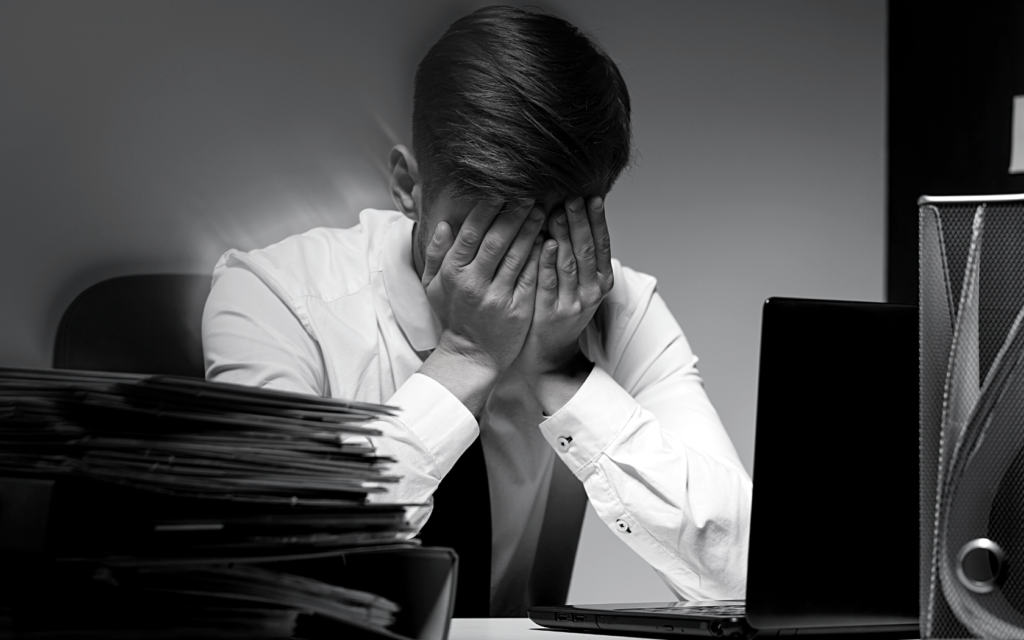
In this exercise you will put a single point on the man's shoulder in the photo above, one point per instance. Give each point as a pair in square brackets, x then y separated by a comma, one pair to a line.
[618, 320]
[324, 262]
[620, 312]
[632, 289]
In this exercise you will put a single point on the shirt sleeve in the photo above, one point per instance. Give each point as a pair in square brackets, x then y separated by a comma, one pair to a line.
[656, 462]
[431, 430]
[252, 337]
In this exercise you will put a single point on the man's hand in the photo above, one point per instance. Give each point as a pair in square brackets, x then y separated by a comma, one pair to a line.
[482, 287]
[575, 276]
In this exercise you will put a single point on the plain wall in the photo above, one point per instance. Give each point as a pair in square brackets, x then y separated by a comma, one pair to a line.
[151, 137]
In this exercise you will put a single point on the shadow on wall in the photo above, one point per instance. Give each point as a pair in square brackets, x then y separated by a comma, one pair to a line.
[153, 137]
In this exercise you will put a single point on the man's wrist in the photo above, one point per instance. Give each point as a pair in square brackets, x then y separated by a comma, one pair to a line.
[567, 361]
[468, 376]
[571, 366]
[555, 387]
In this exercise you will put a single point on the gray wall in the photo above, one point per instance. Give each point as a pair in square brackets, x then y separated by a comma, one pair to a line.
[151, 137]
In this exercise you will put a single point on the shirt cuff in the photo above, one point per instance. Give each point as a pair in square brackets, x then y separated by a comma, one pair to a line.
[584, 427]
[438, 419]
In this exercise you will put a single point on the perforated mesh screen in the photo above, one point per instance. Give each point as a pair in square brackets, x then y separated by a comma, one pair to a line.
[972, 419]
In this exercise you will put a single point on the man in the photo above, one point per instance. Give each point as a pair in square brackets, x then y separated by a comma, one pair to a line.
[489, 304]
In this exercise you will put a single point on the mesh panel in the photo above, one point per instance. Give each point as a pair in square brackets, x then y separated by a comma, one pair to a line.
[972, 419]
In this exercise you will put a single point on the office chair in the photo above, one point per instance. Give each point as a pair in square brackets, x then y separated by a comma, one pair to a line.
[153, 324]
[136, 324]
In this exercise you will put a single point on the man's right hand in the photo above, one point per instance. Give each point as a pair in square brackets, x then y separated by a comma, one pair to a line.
[482, 287]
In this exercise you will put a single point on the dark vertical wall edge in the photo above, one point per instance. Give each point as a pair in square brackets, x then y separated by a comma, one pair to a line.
[952, 73]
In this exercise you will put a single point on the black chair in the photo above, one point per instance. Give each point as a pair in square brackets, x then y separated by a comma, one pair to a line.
[136, 324]
[153, 324]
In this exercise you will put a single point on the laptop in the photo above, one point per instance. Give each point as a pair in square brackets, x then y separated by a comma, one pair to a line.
[834, 523]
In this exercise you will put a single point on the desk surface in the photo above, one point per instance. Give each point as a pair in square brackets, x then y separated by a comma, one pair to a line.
[505, 629]
[511, 629]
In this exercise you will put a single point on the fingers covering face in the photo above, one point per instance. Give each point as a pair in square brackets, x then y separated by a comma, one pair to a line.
[547, 275]
[473, 231]
[602, 240]
[437, 249]
[579, 256]
[582, 240]
[565, 260]
[498, 243]
[527, 283]
[514, 261]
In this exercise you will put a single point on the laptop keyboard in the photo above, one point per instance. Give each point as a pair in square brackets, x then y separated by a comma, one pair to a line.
[711, 611]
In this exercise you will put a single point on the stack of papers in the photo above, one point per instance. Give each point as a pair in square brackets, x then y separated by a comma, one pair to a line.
[231, 601]
[199, 484]
[189, 437]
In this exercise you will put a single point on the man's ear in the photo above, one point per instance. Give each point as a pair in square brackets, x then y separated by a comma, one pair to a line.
[405, 181]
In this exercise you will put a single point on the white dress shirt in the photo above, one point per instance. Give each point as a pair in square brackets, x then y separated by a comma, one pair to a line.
[341, 313]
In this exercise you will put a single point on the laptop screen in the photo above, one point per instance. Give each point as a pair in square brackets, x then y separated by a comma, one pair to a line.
[834, 527]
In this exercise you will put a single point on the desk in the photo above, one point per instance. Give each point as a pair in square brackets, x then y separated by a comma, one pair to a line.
[506, 629]
[526, 629]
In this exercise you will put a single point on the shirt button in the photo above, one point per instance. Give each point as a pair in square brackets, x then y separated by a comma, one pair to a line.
[563, 442]
[622, 526]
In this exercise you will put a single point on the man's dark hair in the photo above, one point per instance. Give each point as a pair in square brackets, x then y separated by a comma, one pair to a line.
[516, 104]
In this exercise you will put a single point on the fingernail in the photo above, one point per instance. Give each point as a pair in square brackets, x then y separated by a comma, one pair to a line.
[536, 215]
[597, 203]
[575, 205]
[437, 232]
[561, 219]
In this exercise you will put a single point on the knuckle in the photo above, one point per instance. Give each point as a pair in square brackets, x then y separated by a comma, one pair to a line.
[513, 261]
[568, 265]
[481, 295]
[469, 235]
[491, 301]
[491, 245]
[434, 254]
[588, 251]
[468, 290]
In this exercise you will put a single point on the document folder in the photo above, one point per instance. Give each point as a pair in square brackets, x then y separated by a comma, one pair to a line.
[154, 506]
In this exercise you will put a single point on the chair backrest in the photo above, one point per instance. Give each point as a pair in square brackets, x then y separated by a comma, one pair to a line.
[136, 324]
[153, 324]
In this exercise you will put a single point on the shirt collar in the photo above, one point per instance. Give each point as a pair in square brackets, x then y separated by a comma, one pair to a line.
[405, 293]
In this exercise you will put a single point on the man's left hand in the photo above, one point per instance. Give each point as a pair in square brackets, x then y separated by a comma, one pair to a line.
[575, 275]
